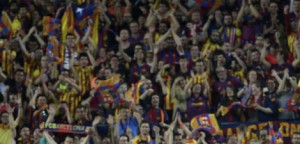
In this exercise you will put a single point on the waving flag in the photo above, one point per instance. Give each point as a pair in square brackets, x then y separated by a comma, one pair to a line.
[110, 84]
[5, 24]
[50, 26]
[133, 94]
[67, 23]
[272, 133]
[106, 89]
[225, 110]
[206, 122]
[94, 31]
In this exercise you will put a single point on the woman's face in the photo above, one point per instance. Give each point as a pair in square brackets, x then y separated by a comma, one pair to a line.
[252, 76]
[42, 101]
[197, 89]
[230, 93]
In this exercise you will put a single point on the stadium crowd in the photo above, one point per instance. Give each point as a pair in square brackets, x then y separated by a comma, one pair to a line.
[138, 71]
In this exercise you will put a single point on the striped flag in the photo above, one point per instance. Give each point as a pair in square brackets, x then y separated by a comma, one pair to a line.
[50, 26]
[5, 24]
[67, 23]
[133, 94]
[206, 122]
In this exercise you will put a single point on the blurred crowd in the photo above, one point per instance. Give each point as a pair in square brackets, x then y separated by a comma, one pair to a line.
[138, 71]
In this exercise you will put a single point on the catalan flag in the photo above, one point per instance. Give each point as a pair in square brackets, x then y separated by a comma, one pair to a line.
[94, 31]
[206, 122]
[80, 2]
[133, 94]
[272, 134]
[225, 110]
[169, 102]
[67, 23]
[5, 24]
[110, 84]
[50, 26]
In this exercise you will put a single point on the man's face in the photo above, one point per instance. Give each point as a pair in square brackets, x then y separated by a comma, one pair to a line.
[22, 11]
[194, 50]
[221, 73]
[33, 45]
[271, 85]
[13, 98]
[69, 140]
[155, 100]
[38, 54]
[84, 61]
[124, 35]
[125, 113]
[199, 67]
[226, 47]
[80, 113]
[127, 17]
[25, 132]
[14, 8]
[19, 77]
[273, 8]
[296, 6]
[263, 135]
[139, 54]
[215, 37]
[255, 56]
[70, 40]
[196, 17]
[227, 20]
[162, 8]
[44, 61]
[178, 139]
[296, 139]
[42, 100]
[107, 73]
[183, 63]
[114, 61]
[134, 27]
[4, 118]
[145, 128]
[162, 28]
[123, 140]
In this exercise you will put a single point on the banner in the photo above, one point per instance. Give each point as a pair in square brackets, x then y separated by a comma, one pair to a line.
[285, 128]
[66, 128]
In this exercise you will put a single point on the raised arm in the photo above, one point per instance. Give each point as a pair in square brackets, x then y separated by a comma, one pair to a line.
[253, 10]
[241, 63]
[187, 88]
[23, 48]
[73, 84]
[11, 120]
[26, 37]
[88, 32]
[241, 12]
[20, 110]
[297, 50]
[128, 6]
[92, 59]
[282, 82]
[154, 61]
[2, 75]
[69, 116]
[174, 85]
[163, 37]
[39, 39]
[178, 43]
[33, 100]
[263, 55]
